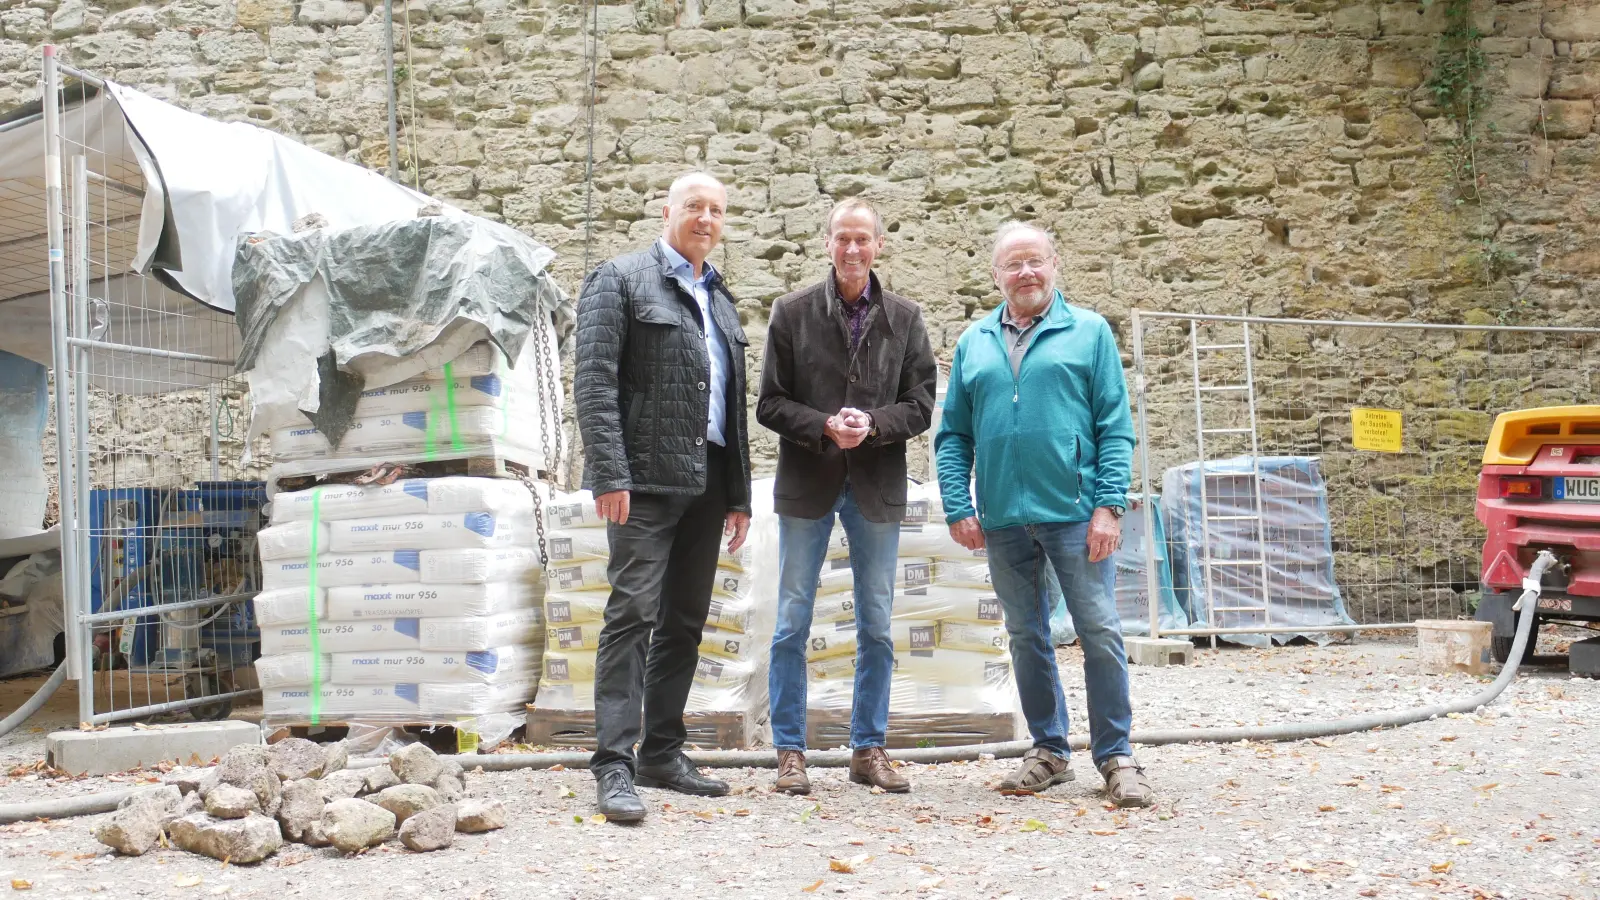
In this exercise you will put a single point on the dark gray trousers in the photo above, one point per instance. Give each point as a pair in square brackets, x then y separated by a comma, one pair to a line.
[663, 564]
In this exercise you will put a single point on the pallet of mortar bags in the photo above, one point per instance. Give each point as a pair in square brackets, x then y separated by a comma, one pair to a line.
[718, 713]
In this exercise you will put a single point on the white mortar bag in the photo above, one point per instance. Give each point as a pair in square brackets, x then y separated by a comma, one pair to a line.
[580, 636]
[956, 603]
[351, 701]
[574, 510]
[416, 433]
[430, 531]
[340, 637]
[460, 494]
[735, 645]
[574, 607]
[929, 539]
[969, 636]
[480, 566]
[577, 544]
[344, 501]
[501, 664]
[579, 575]
[464, 699]
[910, 572]
[565, 695]
[569, 667]
[482, 632]
[910, 697]
[424, 394]
[393, 601]
[971, 570]
[839, 638]
[731, 613]
[286, 606]
[291, 540]
[944, 666]
[291, 669]
[336, 569]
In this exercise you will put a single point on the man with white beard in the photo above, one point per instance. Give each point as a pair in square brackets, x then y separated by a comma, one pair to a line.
[1038, 405]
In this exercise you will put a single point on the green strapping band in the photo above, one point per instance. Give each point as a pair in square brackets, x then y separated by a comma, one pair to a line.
[430, 435]
[450, 401]
[311, 609]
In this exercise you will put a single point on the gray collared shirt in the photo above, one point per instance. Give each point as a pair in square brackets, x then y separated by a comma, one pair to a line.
[1017, 337]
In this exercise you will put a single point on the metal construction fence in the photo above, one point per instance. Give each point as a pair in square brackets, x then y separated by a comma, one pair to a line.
[157, 514]
[1320, 476]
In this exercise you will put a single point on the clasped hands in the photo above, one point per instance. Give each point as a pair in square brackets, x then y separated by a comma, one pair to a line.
[848, 427]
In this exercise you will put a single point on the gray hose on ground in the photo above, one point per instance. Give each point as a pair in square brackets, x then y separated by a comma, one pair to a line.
[39, 698]
[736, 759]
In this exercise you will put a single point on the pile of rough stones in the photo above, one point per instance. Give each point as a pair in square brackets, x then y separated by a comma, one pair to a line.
[243, 809]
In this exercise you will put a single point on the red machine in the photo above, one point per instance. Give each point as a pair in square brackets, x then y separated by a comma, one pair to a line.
[1540, 490]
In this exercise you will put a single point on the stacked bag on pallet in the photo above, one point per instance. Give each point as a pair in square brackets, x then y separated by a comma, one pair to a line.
[732, 670]
[952, 654]
[412, 602]
[474, 405]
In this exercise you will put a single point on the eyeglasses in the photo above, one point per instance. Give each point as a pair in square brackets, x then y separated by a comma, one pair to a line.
[1032, 262]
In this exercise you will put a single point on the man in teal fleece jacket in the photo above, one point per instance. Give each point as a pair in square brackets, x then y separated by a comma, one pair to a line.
[1037, 402]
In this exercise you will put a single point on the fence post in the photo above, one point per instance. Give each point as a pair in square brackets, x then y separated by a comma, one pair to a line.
[1152, 577]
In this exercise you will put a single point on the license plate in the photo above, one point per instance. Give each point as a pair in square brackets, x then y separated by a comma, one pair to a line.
[1583, 489]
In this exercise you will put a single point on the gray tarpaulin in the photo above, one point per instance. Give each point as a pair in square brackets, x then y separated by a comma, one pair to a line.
[387, 293]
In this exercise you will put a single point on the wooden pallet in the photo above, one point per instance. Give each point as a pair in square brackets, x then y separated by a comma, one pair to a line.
[498, 465]
[442, 738]
[575, 728]
[831, 728]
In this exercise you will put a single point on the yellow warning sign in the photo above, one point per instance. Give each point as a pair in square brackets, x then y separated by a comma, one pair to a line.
[1375, 429]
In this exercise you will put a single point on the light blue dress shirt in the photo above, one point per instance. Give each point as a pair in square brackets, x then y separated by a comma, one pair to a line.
[716, 344]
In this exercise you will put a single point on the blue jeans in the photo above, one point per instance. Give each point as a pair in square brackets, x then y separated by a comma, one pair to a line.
[1017, 559]
[802, 547]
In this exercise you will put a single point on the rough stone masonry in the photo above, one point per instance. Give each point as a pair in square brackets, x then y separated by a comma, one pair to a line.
[1273, 158]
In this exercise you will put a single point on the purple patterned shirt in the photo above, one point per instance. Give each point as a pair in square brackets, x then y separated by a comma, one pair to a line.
[856, 313]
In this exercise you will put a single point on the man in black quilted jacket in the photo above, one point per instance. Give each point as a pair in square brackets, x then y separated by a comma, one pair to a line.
[660, 390]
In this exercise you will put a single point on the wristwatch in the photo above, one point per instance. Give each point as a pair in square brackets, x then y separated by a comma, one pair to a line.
[1118, 511]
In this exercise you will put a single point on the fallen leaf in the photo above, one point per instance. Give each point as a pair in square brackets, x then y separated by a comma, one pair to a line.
[1545, 838]
[1082, 811]
[1322, 742]
[597, 819]
[1300, 865]
[1460, 842]
[928, 884]
[1549, 772]
[812, 889]
[1489, 787]
[18, 884]
[1448, 738]
[188, 880]
[841, 866]
[558, 767]
[806, 816]
[1390, 788]
[741, 813]
[1326, 808]
[1035, 825]
[577, 818]
[1441, 868]
[904, 850]
[566, 793]
[1104, 833]
[704, 814]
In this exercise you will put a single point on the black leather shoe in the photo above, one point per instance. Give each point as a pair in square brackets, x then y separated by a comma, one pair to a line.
[616, 797]
[678, 775]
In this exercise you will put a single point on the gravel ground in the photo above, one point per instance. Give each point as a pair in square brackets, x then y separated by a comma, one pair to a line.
[1505, 803]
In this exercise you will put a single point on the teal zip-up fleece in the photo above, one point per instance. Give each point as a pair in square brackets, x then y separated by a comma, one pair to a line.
[1051, 443]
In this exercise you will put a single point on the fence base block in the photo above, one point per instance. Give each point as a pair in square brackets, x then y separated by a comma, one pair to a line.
[1145, 651]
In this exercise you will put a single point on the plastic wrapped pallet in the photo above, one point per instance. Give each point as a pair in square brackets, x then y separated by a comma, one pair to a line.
[423, 603]
[728, 694]
[952, 682]
[1288, 531]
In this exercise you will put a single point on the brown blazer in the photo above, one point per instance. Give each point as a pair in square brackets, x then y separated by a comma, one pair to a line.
[810, 373]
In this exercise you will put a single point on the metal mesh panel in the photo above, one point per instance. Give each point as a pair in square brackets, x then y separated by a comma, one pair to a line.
[159, 509]
[1253, 395]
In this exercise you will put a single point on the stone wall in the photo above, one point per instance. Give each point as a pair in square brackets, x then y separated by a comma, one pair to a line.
[1271, 158]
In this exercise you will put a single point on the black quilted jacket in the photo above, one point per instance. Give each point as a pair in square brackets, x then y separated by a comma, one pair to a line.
[640, 384]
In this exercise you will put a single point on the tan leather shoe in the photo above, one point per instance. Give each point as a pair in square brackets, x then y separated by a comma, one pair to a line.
[792, 772]
[1126, 784]
[870, 765]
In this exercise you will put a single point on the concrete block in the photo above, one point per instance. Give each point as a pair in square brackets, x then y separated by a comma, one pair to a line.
[122, 749]
[1144, 651]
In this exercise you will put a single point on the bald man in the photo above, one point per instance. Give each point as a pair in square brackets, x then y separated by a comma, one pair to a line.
[660, 389]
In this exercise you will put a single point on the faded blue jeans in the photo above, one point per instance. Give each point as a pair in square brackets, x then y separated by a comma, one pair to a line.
[802, 547]
[1017, 559]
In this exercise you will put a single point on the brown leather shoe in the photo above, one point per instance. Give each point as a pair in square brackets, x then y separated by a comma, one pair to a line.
[792, 772]
[870, 765]
[1126, 784]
